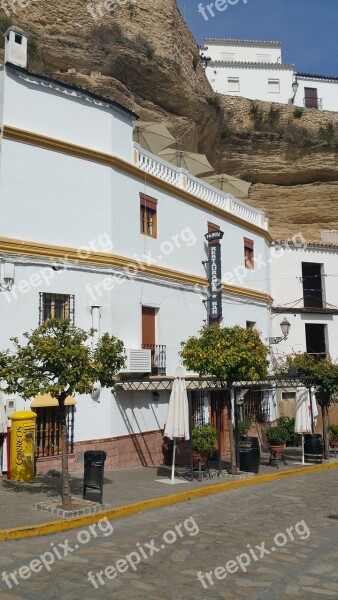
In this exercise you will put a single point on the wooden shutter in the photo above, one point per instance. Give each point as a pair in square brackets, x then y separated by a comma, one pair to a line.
[148, 326]
[148, 201]
[311, 97]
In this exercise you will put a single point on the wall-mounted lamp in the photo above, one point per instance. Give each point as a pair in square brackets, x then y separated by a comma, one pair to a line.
[285, 327]
[6, 277]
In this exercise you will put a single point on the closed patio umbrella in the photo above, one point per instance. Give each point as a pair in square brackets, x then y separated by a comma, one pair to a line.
[153, 137]
[3, 429]
[177, 425]
[230, 185]
[196, 164]
[303, 415]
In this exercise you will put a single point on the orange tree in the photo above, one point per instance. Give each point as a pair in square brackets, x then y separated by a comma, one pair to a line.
[229, 353]
[325, 373]
[58, 360]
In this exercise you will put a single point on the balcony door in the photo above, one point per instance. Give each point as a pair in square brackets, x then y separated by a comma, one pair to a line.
[316, 340]
[311, 97]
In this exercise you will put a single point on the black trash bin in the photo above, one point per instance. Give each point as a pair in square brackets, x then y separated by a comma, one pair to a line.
[94, 471]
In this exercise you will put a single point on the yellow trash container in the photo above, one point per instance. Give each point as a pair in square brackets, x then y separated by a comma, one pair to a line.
[22, 445]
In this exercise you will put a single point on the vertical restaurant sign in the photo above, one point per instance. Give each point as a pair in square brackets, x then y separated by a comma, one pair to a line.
[215, 275]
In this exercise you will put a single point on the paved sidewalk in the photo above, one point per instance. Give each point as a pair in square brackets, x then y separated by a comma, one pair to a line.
[121, 487]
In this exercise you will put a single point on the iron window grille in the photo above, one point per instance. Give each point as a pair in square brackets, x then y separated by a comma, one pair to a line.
[198, 412]
[56, 306]
[48, 431]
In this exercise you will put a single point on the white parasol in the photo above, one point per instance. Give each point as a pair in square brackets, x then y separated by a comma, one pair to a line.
[177, 425]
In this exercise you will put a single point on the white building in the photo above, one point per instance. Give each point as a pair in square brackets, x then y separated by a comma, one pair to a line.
[304, 285]
[316, 91]
[96, 229]
[249, 69]
[255, 70]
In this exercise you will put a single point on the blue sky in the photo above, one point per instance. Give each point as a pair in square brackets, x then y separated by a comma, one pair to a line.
[308, 29]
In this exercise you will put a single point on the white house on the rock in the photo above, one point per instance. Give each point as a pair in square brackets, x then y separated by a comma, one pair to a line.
[250, 69]
[95, 229]
[255, 70]
[316, 91]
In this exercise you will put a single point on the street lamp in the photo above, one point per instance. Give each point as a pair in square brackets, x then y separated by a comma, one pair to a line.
[295, 87]
[285, 327]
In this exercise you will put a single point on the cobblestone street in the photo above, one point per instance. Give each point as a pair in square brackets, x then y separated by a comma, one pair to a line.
[213, 531]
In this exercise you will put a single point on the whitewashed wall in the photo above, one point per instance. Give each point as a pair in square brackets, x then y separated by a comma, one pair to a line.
[287, 290]
[253, 81]
[327, 92]
[244, 52]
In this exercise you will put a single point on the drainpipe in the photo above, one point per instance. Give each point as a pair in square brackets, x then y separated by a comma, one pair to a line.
[96, 319]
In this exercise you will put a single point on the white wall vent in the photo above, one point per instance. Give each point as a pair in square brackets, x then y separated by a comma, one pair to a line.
[138, 361]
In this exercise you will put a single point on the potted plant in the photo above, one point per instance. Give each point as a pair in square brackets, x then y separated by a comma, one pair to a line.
[249, 451]
[288, 424]
[203, 441]
[277, 437]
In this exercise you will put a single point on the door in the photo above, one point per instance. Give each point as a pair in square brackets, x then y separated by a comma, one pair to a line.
[311, 97]
[225, 441]
[148, 331]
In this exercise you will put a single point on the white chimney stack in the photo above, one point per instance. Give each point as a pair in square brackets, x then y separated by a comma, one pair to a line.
[16, 47]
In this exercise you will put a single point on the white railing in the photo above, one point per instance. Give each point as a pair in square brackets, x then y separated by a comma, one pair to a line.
[181, 178]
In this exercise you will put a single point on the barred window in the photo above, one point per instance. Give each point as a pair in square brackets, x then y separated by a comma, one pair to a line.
[56, 306]
[48, 430]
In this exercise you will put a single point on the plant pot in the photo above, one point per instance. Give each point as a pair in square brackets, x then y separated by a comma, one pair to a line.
[203, 455]
[277, 450]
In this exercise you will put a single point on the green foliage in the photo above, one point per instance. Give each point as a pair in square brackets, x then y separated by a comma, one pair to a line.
[265, 121]
[298, 112]
[288, 424]
[334, 431]
[196, 59]
[328, 133]
[57, 360]
[324, 371]
[277, 436]
[243, 427]
[5, 23]
[215, 103]
[229, 353]
[295, 135]
[204, 439]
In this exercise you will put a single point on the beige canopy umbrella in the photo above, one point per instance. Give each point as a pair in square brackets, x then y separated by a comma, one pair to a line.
[231, 185]
[196, 164]
[153, 137]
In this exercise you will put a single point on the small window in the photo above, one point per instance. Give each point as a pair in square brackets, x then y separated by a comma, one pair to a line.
[18, 38]
[249, 254]
[148, 215]
[274, 86]
[56, 306]
[250, 324]
[228, 56]
[233, 84]
[289, 396]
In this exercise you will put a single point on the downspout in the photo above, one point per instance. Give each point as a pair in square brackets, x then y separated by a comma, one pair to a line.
[96, 321]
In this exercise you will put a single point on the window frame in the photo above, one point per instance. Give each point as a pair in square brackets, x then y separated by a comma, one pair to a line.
[230, 83]
[148, 207]
[273, 81]
[249, 262]
[70, 298]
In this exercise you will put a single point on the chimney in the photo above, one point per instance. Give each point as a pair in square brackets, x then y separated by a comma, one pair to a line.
[16, 47]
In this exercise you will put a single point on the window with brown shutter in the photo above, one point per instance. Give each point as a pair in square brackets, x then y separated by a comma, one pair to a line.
[249, 259]
[148, 215]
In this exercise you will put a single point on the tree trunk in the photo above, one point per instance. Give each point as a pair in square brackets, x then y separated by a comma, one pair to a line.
[325, 417]
[65, 489]
[233, 468]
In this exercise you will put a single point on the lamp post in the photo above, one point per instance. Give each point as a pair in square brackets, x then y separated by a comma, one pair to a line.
[295, 87]
[285, 327]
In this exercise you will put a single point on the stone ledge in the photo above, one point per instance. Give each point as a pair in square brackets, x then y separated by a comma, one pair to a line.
[86, 508]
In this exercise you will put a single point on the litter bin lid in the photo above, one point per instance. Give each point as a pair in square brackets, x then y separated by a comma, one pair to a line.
[94, 457]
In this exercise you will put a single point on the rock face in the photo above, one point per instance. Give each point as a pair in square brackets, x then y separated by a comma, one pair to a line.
[143, 55]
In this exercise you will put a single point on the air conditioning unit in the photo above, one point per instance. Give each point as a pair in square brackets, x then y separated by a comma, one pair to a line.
[138, 361]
